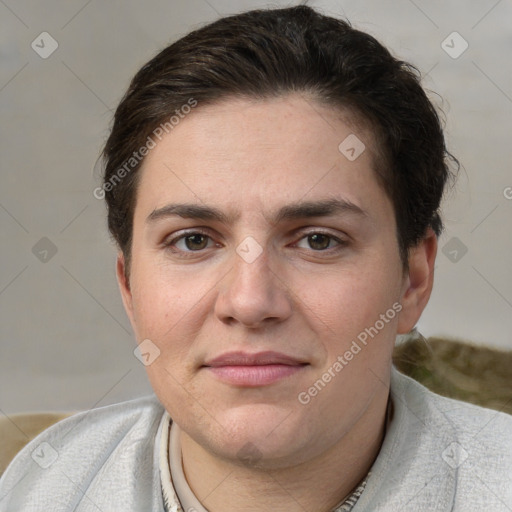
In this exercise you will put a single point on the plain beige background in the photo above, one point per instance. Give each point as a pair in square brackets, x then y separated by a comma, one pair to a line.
[65, 341]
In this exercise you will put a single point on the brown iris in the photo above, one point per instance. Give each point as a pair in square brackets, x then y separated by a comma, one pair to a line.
[196, 241]
[319, 241]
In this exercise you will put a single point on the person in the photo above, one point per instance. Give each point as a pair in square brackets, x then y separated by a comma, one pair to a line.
[273, 182]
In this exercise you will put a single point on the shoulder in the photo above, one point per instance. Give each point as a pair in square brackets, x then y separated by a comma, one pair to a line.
[486, 428]
[440, 454]
[85, 458]
[469, 445]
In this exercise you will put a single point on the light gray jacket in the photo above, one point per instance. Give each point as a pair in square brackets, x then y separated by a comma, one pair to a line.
[438, 455]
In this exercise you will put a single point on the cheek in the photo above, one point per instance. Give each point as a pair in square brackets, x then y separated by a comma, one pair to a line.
[345, 301]
[164, 298]
[353, 315]
[169, 308]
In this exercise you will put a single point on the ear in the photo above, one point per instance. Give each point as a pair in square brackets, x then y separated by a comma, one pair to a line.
[418, 282]
[124, 285]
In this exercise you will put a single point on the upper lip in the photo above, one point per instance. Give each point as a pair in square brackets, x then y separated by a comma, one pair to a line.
[258, 359]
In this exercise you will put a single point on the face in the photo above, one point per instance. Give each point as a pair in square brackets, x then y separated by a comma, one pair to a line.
[255, 234]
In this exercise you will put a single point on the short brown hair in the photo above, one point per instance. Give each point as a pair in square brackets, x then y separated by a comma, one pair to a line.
[272, 52]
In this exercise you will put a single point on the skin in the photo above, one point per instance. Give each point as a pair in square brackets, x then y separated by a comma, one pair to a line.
[248, 159]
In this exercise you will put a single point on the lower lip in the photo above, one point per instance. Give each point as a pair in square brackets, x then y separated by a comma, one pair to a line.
[252, 376]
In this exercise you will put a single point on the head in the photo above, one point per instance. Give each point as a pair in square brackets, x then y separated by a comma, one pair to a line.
[273, 183]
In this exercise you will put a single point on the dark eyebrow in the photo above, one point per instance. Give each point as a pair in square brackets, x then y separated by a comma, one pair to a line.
[189, 211]
[301, 210]
[325, 208]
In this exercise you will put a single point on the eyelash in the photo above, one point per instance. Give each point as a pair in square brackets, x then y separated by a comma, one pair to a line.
[170, 243]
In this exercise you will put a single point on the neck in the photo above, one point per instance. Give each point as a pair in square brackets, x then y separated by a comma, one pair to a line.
[319, 484]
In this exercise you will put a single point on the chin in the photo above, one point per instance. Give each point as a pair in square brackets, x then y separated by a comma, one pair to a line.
[260, 434]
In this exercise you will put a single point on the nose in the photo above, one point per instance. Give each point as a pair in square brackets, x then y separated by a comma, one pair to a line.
[253, 294]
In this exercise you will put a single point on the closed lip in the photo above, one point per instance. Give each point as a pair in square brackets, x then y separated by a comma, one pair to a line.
[258, 359]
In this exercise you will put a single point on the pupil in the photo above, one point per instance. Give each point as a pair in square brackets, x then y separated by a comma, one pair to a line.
[319, 241]
[195, 241]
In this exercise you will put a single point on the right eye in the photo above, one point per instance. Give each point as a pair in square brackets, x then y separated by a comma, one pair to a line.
[191, 241]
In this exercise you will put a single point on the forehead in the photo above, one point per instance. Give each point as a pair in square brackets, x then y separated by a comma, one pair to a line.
[259, 154]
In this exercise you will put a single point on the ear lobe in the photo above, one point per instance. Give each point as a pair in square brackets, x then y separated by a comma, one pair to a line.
[418, 282]
[124, 285]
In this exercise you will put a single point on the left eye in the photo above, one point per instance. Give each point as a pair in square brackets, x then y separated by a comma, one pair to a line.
[319, 241]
